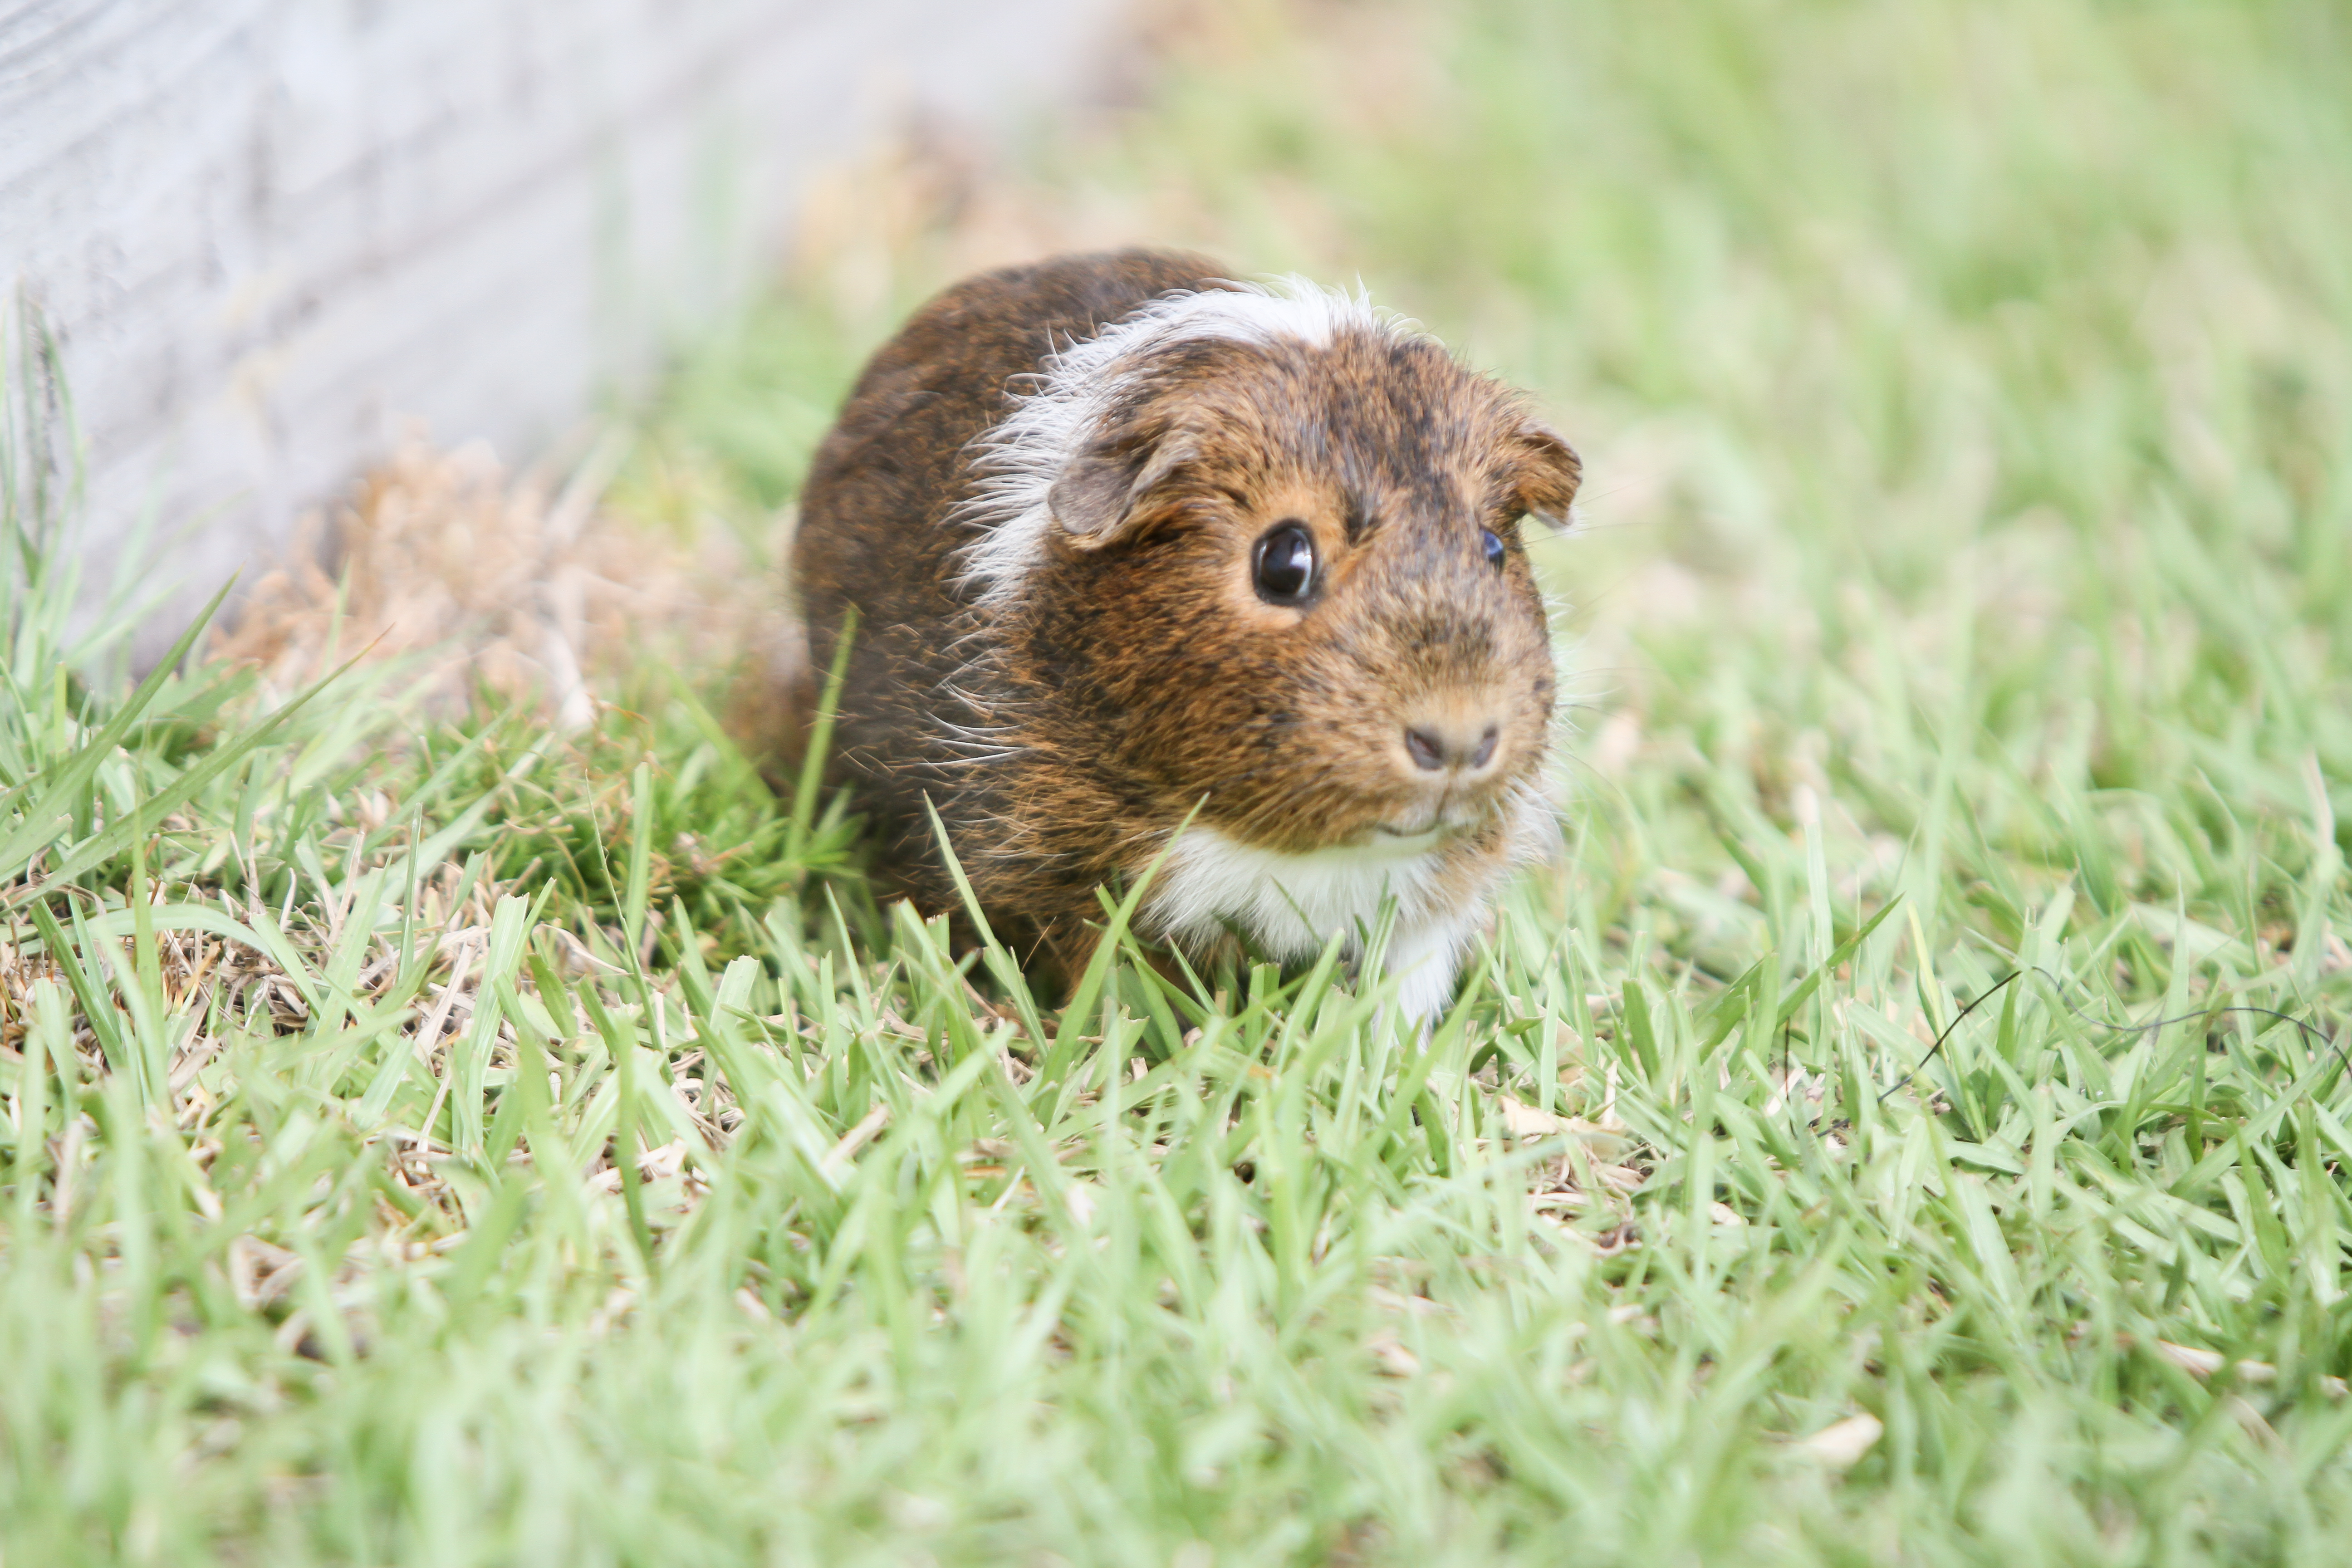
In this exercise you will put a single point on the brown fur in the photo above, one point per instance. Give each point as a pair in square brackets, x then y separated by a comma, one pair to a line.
[1064, 737]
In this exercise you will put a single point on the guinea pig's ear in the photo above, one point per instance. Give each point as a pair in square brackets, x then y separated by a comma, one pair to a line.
[1095, 501]
[1545, 470]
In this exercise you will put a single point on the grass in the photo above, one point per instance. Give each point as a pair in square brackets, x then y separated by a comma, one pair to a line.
[458, 1144]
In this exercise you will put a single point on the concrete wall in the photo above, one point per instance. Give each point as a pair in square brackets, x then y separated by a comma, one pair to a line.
[268, 230]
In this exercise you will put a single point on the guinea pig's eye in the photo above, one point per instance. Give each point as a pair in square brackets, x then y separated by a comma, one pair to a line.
[1493, 543]
[1285, 566]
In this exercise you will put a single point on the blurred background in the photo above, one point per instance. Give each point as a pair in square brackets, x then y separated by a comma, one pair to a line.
[269, 237]
[1963, 388]
[1919, 352]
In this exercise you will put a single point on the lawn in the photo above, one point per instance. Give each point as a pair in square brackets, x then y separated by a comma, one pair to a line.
[1909, 1124]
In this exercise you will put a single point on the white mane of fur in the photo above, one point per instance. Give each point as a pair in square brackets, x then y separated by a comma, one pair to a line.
[1021, 456]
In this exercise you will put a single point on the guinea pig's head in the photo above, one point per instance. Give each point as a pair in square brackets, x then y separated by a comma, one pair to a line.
[1272, 562]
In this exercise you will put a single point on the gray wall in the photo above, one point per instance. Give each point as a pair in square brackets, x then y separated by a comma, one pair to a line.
[267, 230]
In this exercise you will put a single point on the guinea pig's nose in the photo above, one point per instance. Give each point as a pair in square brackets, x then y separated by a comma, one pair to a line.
[1455, 743]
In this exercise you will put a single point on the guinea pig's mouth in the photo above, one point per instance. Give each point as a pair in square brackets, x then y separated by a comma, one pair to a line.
[1411, 839]
[1438, 827]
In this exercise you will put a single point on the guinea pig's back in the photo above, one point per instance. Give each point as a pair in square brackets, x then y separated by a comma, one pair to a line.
[877, 526]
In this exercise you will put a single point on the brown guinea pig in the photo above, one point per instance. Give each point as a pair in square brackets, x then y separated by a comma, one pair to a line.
[1133, 544]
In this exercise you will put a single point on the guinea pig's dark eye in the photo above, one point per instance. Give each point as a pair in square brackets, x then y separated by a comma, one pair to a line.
[1284, 566]
[1493, 543]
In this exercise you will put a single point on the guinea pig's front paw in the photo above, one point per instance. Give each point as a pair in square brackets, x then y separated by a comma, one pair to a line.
[1426, 964]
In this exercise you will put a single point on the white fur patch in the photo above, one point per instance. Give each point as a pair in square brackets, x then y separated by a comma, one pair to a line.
[1023, 455]
[1429, 959]
[1291, 904]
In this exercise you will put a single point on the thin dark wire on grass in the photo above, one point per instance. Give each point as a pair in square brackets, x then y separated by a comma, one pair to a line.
[2310, 1031]
[1995, 989]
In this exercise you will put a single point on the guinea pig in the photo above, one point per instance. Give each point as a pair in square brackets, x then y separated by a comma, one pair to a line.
[1149, 562]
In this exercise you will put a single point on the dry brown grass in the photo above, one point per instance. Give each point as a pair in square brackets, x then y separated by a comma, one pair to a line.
[467, 584]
